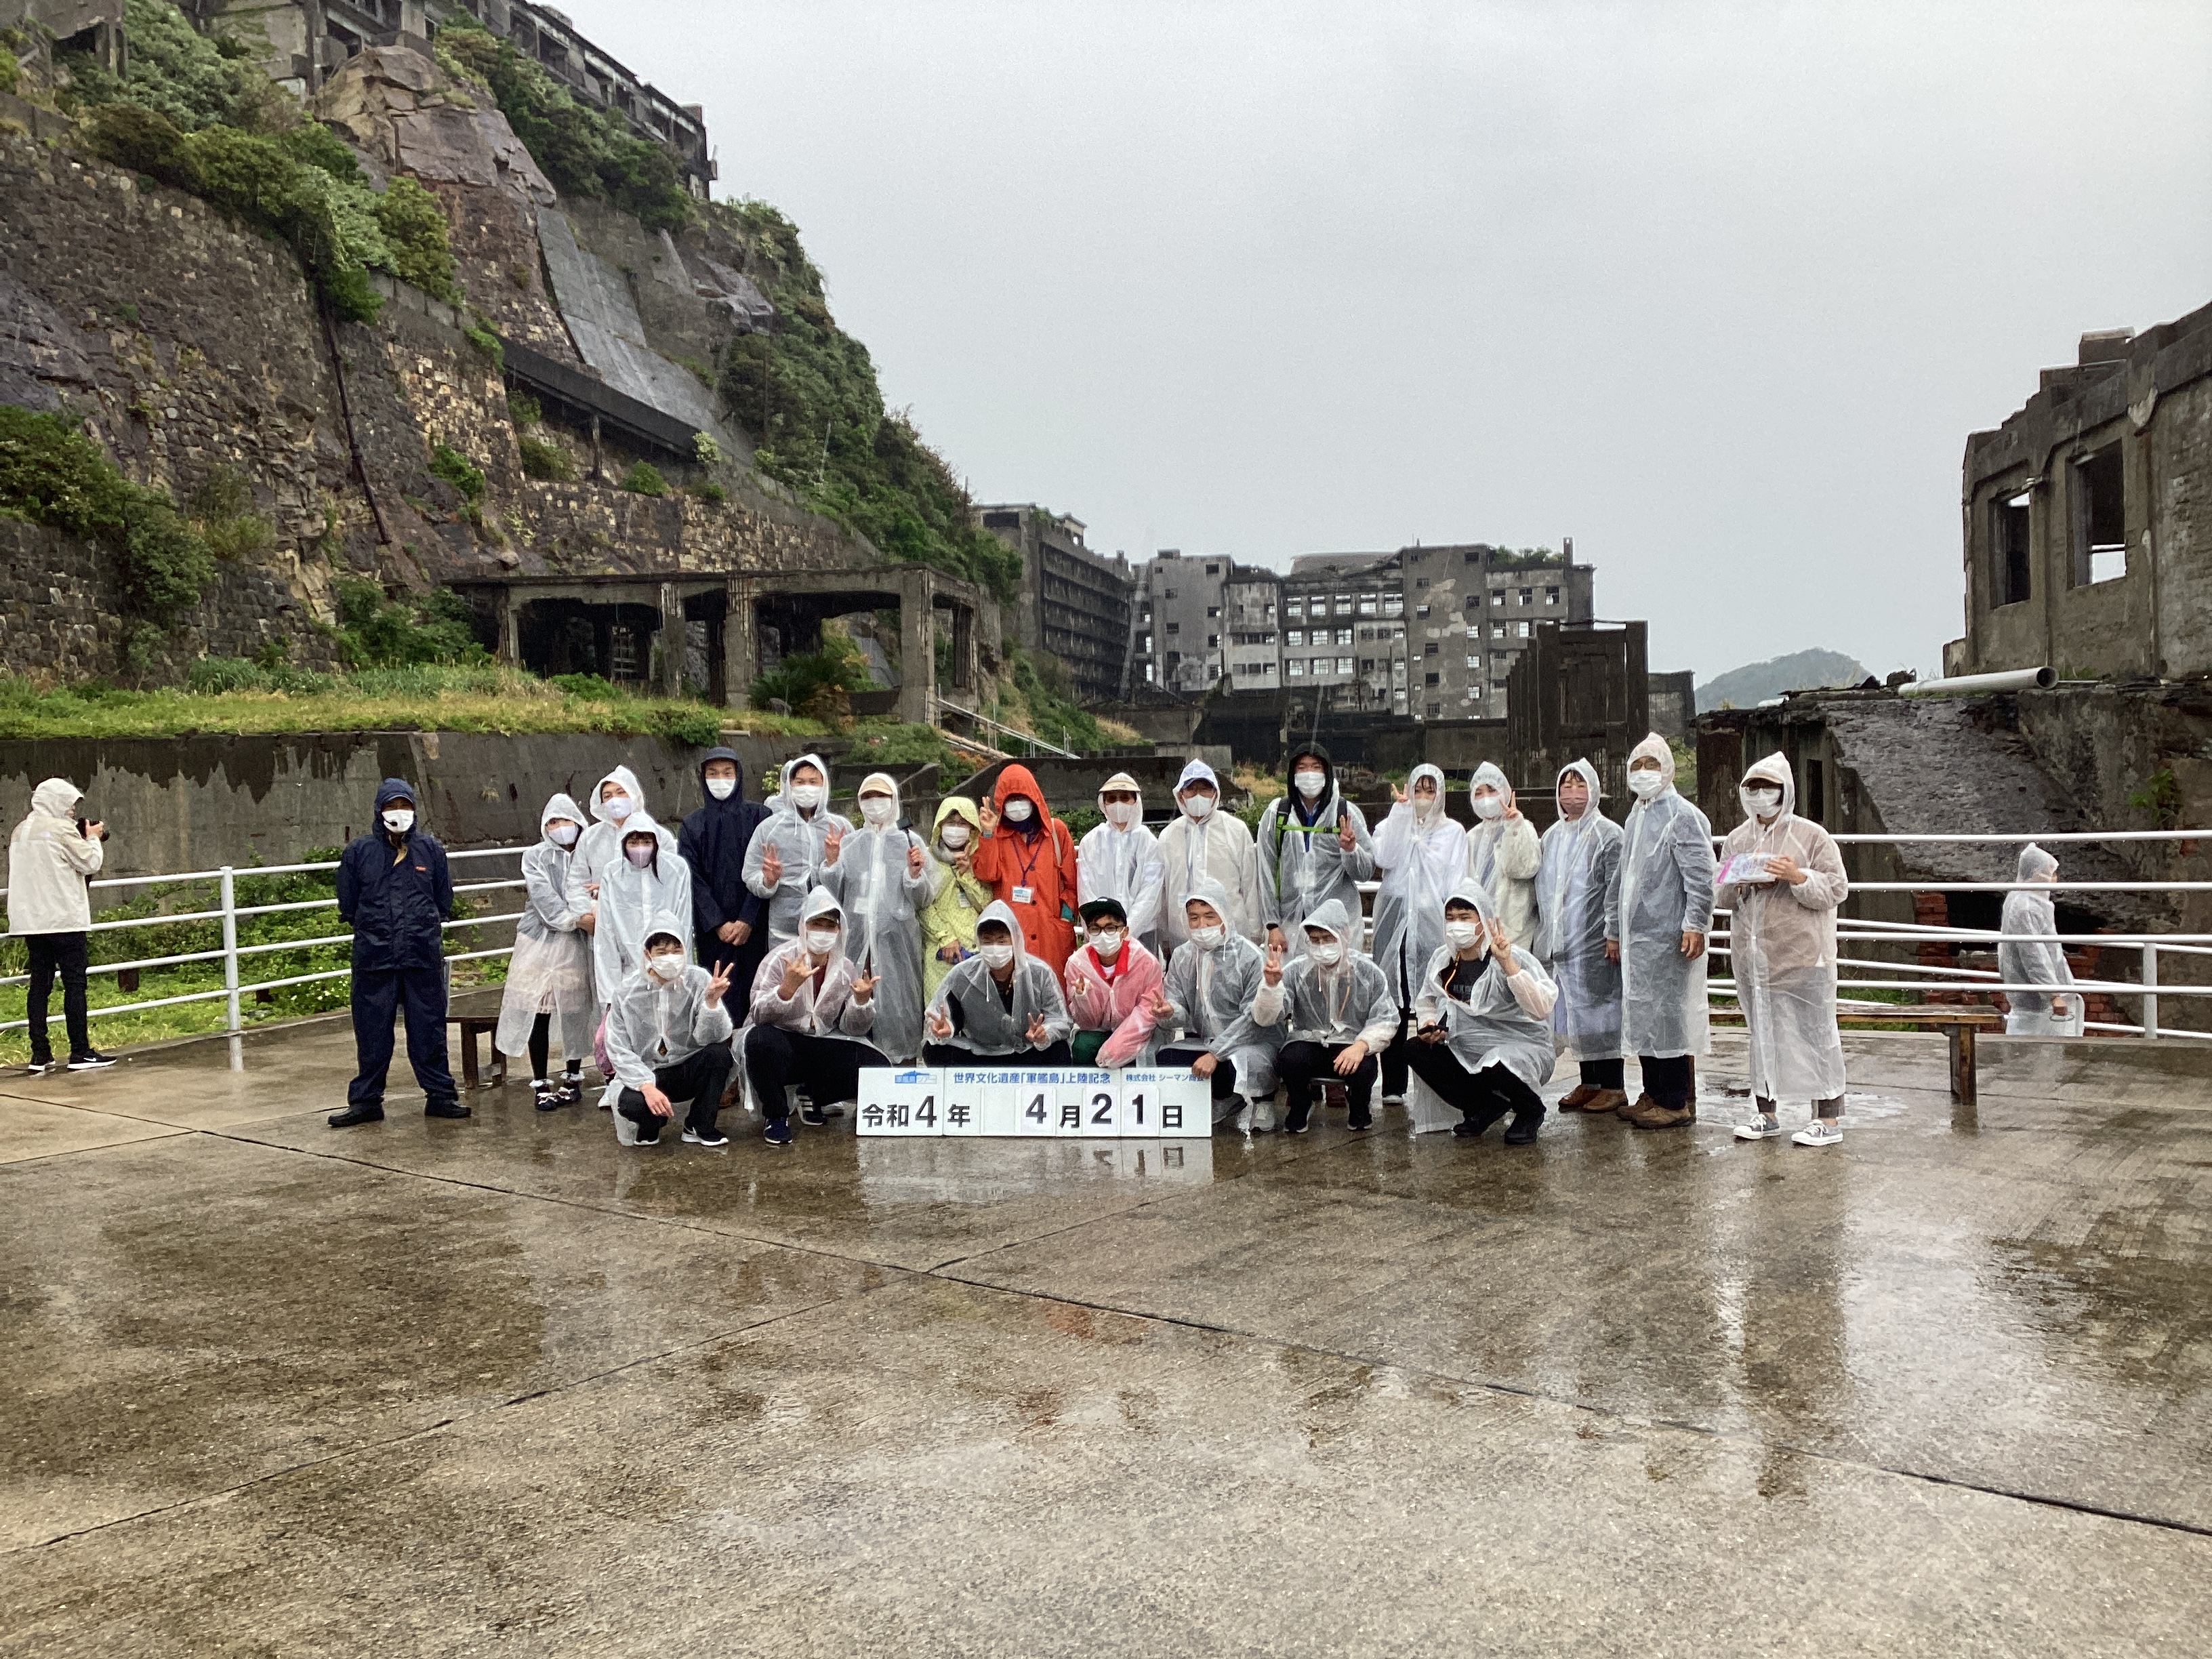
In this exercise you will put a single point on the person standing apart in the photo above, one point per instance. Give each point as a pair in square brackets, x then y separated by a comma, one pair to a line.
[812, 1006]
[958, 895]
[52, 859]
[1658, 909]
[2031, 960]
[1782, 880]
[1421, 855]
[1112, 982]
[1120, 858]
[396, 893]
[1504, 854]
[1484, 1041]
[549, 975]
[1313, 846]
[1029, 858]
[1206, 844]
[1580, 852]
[728, 919]
[1335, 1007]
[879, 874]
[784, 859]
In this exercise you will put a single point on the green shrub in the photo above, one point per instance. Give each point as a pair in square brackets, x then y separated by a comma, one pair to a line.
[802, 677]
[709, 491]
[413, 220]
[645, 480]
[8, 69]
[458, 470]
[316, 145]
[523, 409]
[543, 458]
[375, 632]
[705, 450]
[481, 337]
[173, 69]
[589, 688]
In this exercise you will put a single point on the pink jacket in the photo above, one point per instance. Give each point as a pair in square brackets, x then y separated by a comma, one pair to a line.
[1126, 1010]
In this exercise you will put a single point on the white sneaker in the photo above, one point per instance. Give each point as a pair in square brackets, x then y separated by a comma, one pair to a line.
[712, 1137]
[1765, 1127]
[1820, 1132]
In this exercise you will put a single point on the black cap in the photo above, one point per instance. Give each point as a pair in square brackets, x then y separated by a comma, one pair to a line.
[1104, 909]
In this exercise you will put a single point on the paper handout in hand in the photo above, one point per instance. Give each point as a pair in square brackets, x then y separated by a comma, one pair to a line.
[1747, 870]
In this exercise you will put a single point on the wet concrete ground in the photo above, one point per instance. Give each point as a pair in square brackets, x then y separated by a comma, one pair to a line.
[500, 1386]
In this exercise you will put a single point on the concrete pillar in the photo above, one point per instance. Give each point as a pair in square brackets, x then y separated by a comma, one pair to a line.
[740, 642]
[510, 628]
[673, 641]
[917, 644]
[963, 648]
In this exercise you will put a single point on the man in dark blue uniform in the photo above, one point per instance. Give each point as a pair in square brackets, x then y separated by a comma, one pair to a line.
[394, 892]
[729, 921]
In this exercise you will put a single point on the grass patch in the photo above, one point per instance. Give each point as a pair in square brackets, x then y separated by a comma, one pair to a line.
[543, 458]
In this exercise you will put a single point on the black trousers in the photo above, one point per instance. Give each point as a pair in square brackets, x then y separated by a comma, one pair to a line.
[1225, 1075]
[1606, 1073]
[951, 1054]
[1301, 1065]
[1482, 1096]
[376, 997]
[63, 952]
[699, 1078]
[828, 1066]
[1670, 1082]
[541, 1049]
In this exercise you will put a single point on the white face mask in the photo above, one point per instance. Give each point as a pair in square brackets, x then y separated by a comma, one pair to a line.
[1199, 806]
[640, 856]
[1463, 933]
[995, 957]
[954, 835]
[1208, 938]
[722, 788]
[1646, 783]
[821, 940]
[1329, 955]
[806, 796]
[1107, 944]
[1121, 812]
[399, 820]
[1311, 783]
[1761, 803]
[666, 967]
[879, 810]
[1490, 807]
[617, 807]
[1020, 811]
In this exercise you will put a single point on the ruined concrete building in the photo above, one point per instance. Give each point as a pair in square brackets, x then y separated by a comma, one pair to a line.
[2088, 521]
[1074, 605]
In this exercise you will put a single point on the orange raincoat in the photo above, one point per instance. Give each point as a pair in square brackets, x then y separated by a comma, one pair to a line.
[1043, 864]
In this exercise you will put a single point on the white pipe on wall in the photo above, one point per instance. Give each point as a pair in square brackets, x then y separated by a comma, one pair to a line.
[1973, 685]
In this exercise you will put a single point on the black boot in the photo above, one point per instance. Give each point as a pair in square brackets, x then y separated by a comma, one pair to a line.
[1522, 1132]
[442, 1109]
[354, 1114]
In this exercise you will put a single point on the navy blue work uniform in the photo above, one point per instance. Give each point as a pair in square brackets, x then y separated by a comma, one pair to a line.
[395, 897]
[714, 844]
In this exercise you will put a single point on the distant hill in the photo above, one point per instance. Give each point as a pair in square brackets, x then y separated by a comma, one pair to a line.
[1801, 671]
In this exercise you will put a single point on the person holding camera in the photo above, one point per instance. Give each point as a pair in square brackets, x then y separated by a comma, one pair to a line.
[52, 859]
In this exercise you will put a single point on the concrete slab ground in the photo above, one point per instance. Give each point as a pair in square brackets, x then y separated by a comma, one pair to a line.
[500, 1386]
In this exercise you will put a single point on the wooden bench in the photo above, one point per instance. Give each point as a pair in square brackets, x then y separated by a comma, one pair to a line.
[472, 1027]
[1958, 1023]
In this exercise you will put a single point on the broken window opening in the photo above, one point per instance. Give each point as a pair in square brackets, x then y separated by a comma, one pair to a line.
[2100, 518]
[2008, 524]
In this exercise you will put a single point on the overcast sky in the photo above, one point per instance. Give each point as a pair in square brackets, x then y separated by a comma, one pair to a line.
[1717, 290]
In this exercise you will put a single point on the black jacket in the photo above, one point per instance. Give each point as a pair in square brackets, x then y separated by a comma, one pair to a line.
[714, 844]
[394, 898]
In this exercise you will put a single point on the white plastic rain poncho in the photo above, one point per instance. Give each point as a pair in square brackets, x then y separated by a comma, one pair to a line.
[631, 899]
[1422, 853]
[988, 1023]
[551, 971]
[1504, 854]
[799, 839]
[600, 845]
[1505, 1020]
[1580, 857]
[1211, 993]
[652, 1025]
[49, 864]
[1663, 887]
[1782, 942]
[1220, 848]
[1350, 1002]
[824, 1009]
[881, 902]
[2030, 961]
[1302, 863]
[1115, 862]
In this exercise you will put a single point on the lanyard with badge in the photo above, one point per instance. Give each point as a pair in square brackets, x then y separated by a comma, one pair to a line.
[1024, 891]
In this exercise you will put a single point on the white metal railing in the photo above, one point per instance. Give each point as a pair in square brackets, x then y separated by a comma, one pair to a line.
[938, 708]
[231, 953]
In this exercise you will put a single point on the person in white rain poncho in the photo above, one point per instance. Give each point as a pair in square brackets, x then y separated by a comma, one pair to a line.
[668, 1039]
[1421, 855]
[1580, 851]
[1658, 910]
[1781, 878]
[1000, 1008]
[600, 847]
[1206, 844]
[1504, 854]
[1313, 846]
[1483, 1042]
[811, 1005]
[784, 861]
[1211, 985]
[1119, 859]
[1337, 1014]
[549, 976]
[2029, 961]
[880, 874]
[647, 876]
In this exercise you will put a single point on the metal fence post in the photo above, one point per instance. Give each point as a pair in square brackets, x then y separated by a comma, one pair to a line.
[2150, 993]
[230, 968]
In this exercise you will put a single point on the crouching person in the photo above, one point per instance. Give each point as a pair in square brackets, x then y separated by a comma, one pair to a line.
[1111, 982]
[1213, 981]
[999, 1009]
[811, 1007]
[1336, 1006]
[1482, 1024]
[668, 1037]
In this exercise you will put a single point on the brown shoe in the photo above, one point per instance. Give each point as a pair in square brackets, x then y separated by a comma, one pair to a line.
[1607, 1100]
[1579, 1097]
[1635, 1114]
[1665, 1117]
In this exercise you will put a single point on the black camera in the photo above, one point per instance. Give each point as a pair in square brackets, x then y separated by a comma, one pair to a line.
[84, 828]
